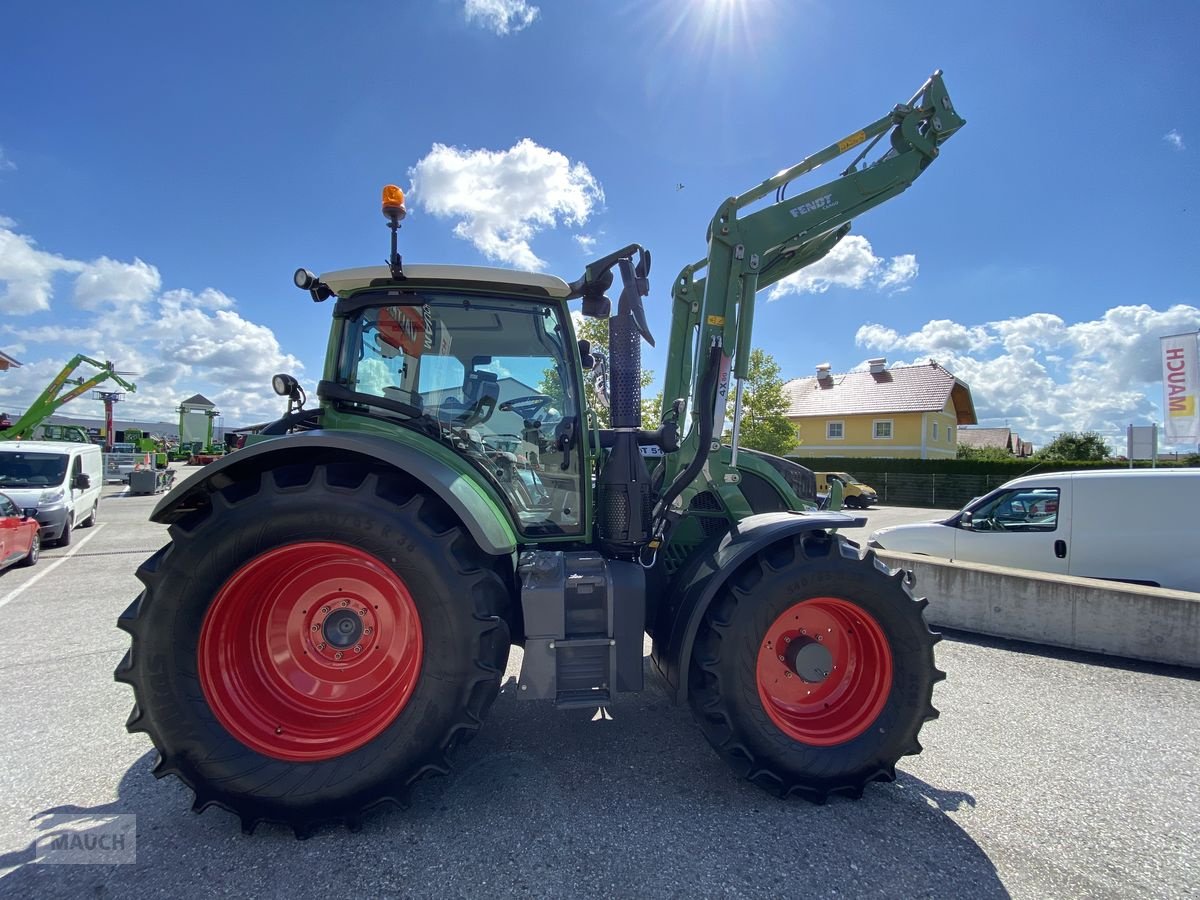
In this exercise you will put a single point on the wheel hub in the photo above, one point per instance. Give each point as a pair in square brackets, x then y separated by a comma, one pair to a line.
[824, 671]
[808, 658]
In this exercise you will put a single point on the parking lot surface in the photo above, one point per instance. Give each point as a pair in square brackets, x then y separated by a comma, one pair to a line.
[1049, 774]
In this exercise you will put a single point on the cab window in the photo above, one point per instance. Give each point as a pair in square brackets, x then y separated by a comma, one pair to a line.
[490, 378]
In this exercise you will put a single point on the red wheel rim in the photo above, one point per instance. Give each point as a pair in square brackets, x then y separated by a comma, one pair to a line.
[310, 650]
[824, 671]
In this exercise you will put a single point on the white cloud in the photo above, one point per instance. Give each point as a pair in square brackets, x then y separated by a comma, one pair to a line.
[1175, 139]
[900, 270]
[850, 264]
[1042, 376]
[184, 342]
[501, 16]
[586, 242]
[26, 272]
[107, 280]
[501, 199]
[6, 164]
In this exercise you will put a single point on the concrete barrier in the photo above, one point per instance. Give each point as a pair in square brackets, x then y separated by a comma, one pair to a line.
[1147, 623]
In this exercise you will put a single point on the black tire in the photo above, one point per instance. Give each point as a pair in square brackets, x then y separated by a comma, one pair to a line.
[64, 539]
[851, 503]
[92, 516]
[460, 602]
[35, 551]
[724, 686]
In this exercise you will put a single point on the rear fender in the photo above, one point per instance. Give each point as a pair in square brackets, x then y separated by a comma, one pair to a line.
[482, 515]
[699, 582]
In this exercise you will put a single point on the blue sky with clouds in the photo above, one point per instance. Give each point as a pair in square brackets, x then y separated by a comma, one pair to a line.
[164, 168]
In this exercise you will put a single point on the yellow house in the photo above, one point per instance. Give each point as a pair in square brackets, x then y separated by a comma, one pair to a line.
[905, 411]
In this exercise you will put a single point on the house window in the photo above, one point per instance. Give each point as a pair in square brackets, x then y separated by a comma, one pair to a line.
[935, 431]
[950, 434]
[882, 429]
[834, 431]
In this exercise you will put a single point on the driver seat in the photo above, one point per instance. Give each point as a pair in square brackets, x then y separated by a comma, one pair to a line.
[481, 392]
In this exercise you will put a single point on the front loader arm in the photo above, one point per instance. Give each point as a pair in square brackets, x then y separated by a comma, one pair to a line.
[748, 251]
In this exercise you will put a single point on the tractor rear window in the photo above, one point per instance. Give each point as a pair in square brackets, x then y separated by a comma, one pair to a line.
[490, 378]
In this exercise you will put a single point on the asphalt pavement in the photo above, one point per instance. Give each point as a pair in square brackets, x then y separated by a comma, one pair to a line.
[1049, 774]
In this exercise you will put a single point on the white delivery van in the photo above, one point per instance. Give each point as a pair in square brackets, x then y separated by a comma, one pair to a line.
[1132, 525]
[61, 480]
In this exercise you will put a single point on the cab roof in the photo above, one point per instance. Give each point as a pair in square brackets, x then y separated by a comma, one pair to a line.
[345, 281]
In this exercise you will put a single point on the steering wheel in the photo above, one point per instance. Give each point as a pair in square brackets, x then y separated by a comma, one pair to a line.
[540, 401]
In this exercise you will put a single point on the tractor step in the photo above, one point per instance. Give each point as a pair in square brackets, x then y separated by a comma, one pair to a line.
[584, 622]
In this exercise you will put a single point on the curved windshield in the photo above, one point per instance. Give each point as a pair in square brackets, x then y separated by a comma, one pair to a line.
[19, 469]
[488, 377]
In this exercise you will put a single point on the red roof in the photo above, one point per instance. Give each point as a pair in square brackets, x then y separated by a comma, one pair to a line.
[924, 388]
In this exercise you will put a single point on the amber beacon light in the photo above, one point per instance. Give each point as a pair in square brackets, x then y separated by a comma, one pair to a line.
[393, 202]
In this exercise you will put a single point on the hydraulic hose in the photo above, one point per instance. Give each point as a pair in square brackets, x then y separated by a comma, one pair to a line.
[706, 398]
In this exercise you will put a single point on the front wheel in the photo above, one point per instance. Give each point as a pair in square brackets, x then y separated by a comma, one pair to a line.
[813, 670]
[35, 550]
[310, 646]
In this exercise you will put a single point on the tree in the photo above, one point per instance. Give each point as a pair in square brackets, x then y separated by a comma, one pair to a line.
[765, 425]
[595, 331]
[984, 454]
[1075, 446]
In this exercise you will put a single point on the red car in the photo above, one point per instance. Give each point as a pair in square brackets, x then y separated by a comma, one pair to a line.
[20, 536]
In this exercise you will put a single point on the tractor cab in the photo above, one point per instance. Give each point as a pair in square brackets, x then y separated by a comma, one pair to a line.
[491, 376]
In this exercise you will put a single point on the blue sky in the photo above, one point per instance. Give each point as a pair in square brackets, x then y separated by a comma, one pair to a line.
[164, 168]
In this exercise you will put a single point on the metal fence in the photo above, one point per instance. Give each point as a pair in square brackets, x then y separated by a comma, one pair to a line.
[945, 491]
[117, 466]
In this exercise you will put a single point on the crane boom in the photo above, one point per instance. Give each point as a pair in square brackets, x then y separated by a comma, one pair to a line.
[752, 248]
[51, 398]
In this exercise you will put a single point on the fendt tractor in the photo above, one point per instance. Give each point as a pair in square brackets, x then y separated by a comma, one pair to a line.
[333, 613]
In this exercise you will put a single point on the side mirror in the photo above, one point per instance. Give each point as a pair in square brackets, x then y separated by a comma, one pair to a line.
[82, 481]
[964, 521]
[586, 360]
[29, 512]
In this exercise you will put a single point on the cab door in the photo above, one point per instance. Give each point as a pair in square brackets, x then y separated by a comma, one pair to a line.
[1022, 528]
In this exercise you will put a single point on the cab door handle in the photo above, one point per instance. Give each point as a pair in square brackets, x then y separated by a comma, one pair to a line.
[1060, 549]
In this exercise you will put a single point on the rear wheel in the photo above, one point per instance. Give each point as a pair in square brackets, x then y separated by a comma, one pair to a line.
[813, 670]
[312, 645]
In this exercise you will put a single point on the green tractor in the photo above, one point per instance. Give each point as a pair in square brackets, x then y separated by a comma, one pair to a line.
[333, 613]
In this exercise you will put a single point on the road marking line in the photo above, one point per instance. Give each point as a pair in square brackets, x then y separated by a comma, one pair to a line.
[42, 573]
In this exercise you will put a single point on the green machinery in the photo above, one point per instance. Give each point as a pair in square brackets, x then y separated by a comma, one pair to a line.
[57, 393]
[334, 611]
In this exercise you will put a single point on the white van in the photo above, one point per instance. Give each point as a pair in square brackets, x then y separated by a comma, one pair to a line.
[61, 480]
[1132, 525]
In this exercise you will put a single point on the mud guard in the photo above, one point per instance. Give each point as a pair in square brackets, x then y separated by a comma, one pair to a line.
[697, 584]
[481, 514]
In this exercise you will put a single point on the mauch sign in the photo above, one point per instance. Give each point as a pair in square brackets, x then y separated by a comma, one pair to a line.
[1181, 385]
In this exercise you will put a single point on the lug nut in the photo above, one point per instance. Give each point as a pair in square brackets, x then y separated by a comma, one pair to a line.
[358, 648]
[316, 628]
[345, 603]
[325, 609]
[363, 611]
[368, 631]
[787, 640]
[781, 659]
[338, 655]
[321, 646]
